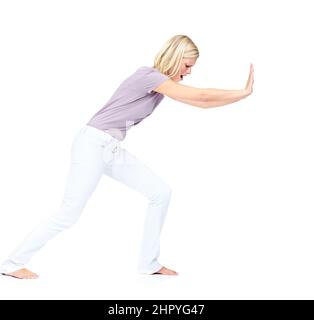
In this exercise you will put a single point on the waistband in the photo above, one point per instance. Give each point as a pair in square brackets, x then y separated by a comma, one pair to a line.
[99, 134]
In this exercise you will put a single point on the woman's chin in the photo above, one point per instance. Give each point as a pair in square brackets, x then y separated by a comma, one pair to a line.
[177, 79]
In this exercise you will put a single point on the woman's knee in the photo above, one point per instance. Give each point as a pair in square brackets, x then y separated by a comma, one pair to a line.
[62, 223]
[162, 193]
[67, 216]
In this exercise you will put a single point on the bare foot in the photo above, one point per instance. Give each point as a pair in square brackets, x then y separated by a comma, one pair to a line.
[166, 271]
[22, 274]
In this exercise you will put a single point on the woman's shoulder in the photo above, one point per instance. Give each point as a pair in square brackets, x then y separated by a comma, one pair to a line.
[147, 69]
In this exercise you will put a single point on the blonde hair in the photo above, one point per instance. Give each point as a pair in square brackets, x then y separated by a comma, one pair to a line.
[169, 58]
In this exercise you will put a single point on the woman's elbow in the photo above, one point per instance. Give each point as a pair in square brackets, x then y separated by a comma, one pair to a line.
[204, 97]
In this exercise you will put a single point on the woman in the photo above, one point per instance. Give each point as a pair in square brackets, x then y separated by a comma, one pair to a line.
[96, 151]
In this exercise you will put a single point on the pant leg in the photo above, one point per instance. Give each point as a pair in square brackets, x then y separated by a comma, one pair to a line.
[127, 169]
[90, 158]
[86, 169]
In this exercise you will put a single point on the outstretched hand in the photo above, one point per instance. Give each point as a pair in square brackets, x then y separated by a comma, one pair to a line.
[249, 84]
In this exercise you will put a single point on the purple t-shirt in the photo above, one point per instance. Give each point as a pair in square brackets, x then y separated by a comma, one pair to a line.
[133, 101]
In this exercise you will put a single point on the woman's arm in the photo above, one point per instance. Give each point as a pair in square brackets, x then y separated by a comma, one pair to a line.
[205, 98]
[228, 98]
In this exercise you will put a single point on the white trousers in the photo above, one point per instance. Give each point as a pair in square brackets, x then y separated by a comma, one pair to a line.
[94, 153]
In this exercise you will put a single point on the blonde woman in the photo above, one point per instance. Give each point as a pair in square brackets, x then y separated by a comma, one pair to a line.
[96, 151]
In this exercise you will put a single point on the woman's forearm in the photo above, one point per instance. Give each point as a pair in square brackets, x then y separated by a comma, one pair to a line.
[214, 103]
[222, 95]
[217, 98]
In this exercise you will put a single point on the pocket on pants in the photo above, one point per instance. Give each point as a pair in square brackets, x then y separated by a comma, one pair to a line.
[110, 150]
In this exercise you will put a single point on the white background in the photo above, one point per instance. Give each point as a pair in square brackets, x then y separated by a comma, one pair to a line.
[240, 223]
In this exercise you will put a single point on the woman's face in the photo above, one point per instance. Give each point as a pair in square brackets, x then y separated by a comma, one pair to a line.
[185, 69]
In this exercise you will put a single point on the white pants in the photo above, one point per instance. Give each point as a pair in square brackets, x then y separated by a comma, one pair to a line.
[93, 153]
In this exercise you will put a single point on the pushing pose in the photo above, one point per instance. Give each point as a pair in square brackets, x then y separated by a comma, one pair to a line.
[96, 150]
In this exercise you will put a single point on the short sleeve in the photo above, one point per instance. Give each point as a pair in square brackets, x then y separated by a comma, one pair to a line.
[152, 78]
